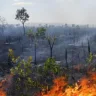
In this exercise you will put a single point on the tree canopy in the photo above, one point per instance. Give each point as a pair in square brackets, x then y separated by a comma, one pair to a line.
[22, 15]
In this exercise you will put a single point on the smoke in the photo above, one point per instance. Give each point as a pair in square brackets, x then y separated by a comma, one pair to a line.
[70, 11]
[53, 11]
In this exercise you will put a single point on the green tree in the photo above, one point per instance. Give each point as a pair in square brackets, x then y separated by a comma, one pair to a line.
[41, 32]
[22, 77]
[22, 16]
[50, 66]
[12, 58]
[51, 42]
[34, 36]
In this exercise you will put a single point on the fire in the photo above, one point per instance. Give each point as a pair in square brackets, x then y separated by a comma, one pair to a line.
[5, 84]
[2, 91]
[86, 86]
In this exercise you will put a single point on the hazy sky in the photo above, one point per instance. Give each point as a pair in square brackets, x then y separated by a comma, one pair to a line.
[51, 11]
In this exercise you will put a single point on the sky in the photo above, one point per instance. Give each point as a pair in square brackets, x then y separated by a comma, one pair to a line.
[51, 11]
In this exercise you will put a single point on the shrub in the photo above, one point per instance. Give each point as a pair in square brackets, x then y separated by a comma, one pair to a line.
[50, 66]
[11, 58]
[23, 69]
[90, 58]
[22, 77]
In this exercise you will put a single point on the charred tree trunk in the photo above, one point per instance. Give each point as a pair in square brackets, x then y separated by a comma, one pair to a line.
[51, 52]
[23, 28]
[66, 58]
[51, 44]
[89, 51]
[35, 50]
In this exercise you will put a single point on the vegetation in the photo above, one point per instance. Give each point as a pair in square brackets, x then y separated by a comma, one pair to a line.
[35, 36]
[22, 16]
[51, 42]
[41, 32]
[51, 66]
[11, 58]
[23, 69]
[27, 76]
[22, 75]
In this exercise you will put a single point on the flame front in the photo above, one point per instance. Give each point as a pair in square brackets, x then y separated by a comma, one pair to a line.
[5, 84]
[85, 87]
[2, 91]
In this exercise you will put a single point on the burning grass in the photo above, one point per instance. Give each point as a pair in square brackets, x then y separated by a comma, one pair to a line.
[86, 86]
[25, 79]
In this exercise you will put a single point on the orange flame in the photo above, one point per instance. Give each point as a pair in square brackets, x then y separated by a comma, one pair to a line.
[5, 84]
[2, 91]
[85, 87]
